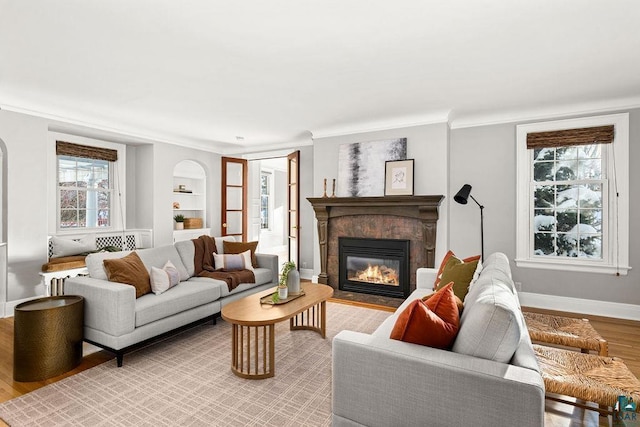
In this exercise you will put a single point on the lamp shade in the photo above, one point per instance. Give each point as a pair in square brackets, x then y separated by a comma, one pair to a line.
[463, 195]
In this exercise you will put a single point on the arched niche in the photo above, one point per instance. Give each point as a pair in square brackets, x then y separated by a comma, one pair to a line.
[190, 198]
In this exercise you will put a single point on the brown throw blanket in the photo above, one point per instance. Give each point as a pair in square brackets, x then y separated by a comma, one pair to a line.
[203, 264]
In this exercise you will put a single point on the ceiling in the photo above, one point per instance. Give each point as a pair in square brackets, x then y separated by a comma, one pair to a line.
[202, 73]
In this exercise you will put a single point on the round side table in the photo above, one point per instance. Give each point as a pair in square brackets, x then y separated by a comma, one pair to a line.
[47, 338]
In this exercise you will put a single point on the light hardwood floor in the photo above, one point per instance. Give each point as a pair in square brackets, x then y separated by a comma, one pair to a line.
[623, 337]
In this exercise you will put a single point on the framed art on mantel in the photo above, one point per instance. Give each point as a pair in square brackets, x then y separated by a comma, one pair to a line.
[398, 179]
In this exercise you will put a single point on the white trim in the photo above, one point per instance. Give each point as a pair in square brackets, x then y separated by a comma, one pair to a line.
[582, 306]
[10, 306]
[307, 273]
[561, 264]
[131, 132]
[616, 258]
[391, 124]
[118, 189]
[555, 112]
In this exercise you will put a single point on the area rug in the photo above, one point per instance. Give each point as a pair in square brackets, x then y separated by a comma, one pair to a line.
[186, 381]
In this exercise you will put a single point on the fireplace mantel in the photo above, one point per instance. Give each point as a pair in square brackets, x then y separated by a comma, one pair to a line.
[423, 208]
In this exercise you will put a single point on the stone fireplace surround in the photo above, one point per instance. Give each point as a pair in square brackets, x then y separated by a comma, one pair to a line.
[389, 217]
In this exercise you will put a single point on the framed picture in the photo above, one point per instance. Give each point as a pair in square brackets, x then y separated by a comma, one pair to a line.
[398, 178]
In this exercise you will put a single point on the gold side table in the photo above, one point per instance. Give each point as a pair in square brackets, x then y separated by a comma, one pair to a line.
[47, 339]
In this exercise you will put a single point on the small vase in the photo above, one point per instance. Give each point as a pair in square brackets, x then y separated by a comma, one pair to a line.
[293, 282]
[283, 292]
[179, 226]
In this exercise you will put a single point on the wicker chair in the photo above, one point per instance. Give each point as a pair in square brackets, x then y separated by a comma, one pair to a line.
[587, 377]
[565, 331]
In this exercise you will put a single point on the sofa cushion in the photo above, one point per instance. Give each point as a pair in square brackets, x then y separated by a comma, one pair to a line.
[157, 257]
[433, 322]
[239, 247]
[460, 273]
[233, 262]
[64, 263]
[95, 263]
[162, 279]
[491, 325]
[184, 296]
[444, 262]
[65, 247]
[129, 270]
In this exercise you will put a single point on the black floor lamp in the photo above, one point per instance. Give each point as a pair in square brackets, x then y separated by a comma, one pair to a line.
[462, 197]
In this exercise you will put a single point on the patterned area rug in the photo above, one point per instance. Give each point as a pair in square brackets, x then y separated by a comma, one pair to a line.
[186, 381]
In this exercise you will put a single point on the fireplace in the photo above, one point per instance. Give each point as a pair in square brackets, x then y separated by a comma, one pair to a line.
[374, 266]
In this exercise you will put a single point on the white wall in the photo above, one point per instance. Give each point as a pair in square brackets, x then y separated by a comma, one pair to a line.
[485, 157]
[427, 144]
[149, 190]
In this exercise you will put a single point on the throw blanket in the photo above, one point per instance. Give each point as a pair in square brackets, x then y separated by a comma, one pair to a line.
[203, 264]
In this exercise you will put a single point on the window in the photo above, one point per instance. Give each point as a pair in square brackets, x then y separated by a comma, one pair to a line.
[573, 195]
[85, 186]
[265, 199]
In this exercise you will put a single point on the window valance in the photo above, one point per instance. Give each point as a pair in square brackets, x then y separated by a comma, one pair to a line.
[561, 138]
[88, 152]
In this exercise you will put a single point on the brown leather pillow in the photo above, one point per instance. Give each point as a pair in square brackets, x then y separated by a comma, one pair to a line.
[129, 270]
[433, 322]
[239, 247]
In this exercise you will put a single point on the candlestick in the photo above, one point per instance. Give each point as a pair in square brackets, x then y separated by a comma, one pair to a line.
[324, 193]
[334, 188]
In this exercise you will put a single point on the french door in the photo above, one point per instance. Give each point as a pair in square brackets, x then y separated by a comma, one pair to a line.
[234, 198]
[293, 173]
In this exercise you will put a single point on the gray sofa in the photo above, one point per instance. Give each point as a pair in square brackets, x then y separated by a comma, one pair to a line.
[489, 378]
[117, 321]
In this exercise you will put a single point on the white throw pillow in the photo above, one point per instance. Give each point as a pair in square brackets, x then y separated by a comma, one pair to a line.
[233, 262]
[165, 278]
[67, 247]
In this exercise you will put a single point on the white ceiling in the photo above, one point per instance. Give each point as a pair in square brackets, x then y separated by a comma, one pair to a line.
[202, 72]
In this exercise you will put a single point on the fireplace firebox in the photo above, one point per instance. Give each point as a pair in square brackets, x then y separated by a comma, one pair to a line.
[374, 266]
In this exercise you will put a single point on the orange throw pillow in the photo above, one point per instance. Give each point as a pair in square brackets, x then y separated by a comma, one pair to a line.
[433, 322]
[443, 264]
[129, 270]
[239, 247]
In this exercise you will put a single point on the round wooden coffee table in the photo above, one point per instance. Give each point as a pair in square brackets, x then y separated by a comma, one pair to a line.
[253, 331]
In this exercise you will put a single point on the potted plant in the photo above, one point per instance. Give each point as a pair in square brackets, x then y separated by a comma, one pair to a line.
[290, 277]
[179, 219]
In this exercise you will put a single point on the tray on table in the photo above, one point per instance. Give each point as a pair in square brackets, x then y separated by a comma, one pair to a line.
[269, 298]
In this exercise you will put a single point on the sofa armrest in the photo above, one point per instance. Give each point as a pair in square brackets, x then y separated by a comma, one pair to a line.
[108, 306]
[271, 262]
[378, 381]
[426, 277]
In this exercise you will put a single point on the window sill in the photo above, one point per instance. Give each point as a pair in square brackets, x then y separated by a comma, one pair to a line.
[578, 267]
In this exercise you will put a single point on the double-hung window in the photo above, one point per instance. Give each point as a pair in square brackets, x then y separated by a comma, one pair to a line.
[573, 195]
[85, 186]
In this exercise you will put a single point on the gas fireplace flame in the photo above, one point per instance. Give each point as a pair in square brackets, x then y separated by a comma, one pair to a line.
[377, 274]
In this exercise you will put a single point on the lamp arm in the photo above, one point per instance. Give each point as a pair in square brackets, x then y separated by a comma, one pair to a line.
[474, 199]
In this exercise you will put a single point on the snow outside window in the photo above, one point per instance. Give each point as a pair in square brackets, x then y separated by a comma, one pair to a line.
[573, 200]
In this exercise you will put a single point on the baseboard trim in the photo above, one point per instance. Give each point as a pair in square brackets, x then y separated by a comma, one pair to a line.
[9, 306]
[581, 306]
[306, 273]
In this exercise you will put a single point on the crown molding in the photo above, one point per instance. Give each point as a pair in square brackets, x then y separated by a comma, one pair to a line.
[381, 125]
[525, 115]
[125, 134]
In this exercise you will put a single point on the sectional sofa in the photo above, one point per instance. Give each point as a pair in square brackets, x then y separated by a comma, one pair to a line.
[490, 377]
[118, 321]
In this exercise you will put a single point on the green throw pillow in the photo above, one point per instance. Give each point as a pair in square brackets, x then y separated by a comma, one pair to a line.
[460, 273]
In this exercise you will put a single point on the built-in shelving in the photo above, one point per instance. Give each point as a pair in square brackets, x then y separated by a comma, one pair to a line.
[189, 197]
